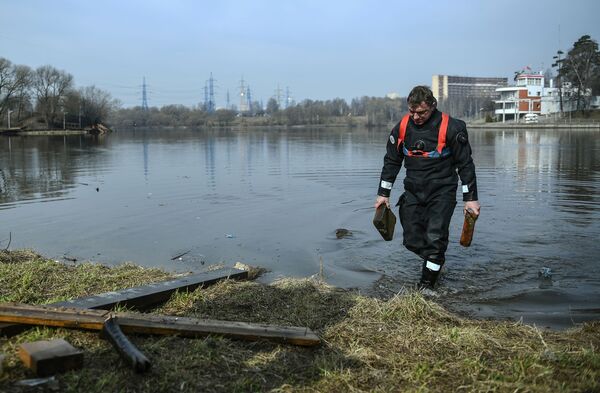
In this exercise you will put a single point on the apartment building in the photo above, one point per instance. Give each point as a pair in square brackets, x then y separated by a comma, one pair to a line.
[447, 86]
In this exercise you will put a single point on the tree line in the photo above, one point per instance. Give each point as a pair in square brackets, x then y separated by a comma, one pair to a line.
[49, 94]
[364, 110]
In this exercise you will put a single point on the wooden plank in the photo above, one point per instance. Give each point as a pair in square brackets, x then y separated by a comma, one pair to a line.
[146, 296]
[50, 357]
[142, 297]
[154, 324]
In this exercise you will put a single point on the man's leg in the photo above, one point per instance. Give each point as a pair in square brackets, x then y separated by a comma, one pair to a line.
[412, 216]
[439, 213]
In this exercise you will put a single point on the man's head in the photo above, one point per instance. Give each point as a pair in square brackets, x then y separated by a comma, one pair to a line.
[421, 104]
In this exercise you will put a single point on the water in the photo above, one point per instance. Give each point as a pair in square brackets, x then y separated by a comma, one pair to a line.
[275, 199]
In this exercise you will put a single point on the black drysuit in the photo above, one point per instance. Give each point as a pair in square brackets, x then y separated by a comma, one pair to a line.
[429, 197]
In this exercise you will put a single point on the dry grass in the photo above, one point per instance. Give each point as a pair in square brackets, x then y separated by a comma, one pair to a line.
[406, 343]
[27, 277]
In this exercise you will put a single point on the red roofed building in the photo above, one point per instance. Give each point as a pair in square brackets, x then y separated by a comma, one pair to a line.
[523, 98]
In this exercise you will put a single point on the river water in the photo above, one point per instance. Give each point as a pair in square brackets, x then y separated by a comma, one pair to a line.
[275, 198]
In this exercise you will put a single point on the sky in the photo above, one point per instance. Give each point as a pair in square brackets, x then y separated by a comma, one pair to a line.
[315, 49]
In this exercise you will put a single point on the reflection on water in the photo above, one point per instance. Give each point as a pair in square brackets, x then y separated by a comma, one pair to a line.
[275, 198]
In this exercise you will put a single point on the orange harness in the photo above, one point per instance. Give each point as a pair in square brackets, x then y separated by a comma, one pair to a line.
[441, 149]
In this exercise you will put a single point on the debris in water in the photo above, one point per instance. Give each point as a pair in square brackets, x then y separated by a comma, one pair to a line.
[179, 256]
[229, 236]
[545, 275]
[342, 232]
[545, 272]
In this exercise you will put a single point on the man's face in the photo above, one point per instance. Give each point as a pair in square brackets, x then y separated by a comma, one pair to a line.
[421, 113]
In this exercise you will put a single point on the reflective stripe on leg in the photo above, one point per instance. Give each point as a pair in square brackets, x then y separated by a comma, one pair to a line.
[433, 266]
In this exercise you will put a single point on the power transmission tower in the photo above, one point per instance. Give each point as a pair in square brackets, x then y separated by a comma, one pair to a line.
[144, 95]
[228, 102]
[205, 105]
[243, 100]
[278, 95]
[288, 98]
[249, 98]
[211, 94]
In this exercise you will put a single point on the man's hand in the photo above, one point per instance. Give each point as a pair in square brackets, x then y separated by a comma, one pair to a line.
[473, 206]
[381, 200]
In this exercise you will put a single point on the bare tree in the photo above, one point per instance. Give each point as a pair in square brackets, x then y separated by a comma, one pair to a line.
[22, 94]
[272, 106]
[50, 86]
[96, 104]
[15, 83]
[6, 76]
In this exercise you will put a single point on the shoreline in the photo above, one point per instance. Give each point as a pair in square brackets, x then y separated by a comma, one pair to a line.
[500, 126]
[400, 344]
[247, 127]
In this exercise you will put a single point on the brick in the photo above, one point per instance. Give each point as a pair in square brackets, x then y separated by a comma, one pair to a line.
[50, 357]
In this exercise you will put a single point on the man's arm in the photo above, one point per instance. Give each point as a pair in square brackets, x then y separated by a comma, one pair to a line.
[461, 152]
[392, 162]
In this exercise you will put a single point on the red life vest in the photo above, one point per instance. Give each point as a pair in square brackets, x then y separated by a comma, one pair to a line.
[441, 149]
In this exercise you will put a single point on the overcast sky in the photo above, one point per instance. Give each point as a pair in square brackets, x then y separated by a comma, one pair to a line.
[319, 49]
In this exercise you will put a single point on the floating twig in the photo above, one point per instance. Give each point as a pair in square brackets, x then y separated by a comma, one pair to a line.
[9, 240]
[180, 255]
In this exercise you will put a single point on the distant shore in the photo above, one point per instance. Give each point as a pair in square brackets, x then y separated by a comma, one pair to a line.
[16, 131]
[43, 132]
[497, 125]
[242, 127]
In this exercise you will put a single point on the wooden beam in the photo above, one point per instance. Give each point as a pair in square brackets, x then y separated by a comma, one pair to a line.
[154, 324]
[50, 357]
[142, 297]
[146, 296]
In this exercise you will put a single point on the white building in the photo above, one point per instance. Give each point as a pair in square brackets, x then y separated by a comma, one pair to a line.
[530, 96]
[523, 98]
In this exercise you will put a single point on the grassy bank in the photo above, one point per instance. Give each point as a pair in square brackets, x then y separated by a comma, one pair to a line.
[406, 343]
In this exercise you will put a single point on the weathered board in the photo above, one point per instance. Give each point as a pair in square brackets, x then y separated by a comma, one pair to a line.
[154, 324]
[142, 297]
[50, 357]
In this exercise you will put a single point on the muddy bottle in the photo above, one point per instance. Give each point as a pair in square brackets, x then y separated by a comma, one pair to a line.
[468, 227]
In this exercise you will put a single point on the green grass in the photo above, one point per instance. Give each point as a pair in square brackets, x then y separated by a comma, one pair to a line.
[406, 343]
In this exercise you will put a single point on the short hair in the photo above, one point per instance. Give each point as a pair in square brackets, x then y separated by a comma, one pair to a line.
[421, 94]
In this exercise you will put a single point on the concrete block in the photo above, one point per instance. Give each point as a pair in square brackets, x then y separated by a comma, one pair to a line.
[50, 357]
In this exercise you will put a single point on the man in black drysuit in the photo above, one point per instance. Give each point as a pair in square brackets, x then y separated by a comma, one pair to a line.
[434, 148]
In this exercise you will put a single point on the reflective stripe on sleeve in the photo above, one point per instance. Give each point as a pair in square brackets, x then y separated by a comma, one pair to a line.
[386, 184]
